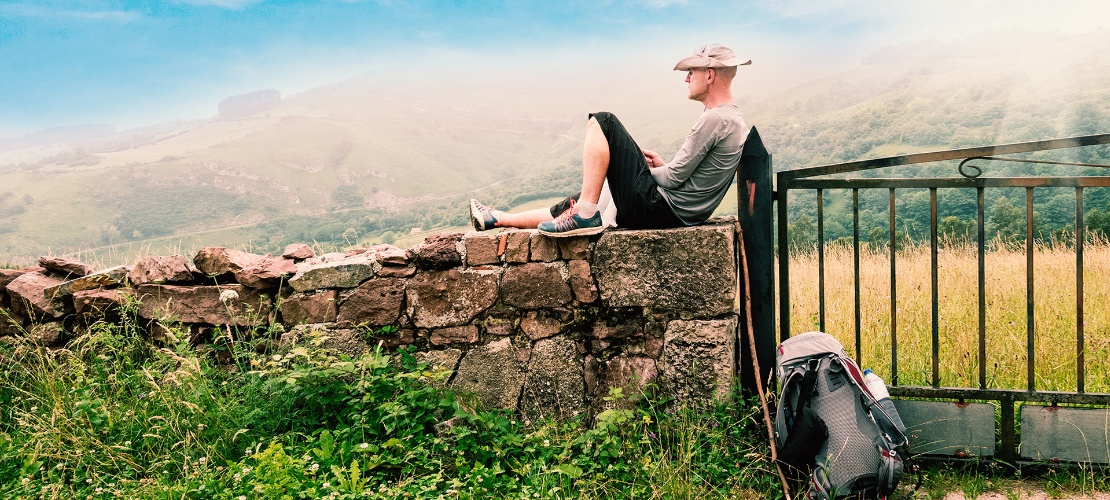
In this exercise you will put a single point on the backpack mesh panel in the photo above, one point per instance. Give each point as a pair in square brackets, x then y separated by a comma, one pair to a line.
[849, 454]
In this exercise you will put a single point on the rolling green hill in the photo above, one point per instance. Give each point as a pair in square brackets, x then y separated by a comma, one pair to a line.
[369, 159]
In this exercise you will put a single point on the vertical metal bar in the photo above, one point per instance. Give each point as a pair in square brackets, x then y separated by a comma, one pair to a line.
[855, 270]
[982, 242]
[1080, 367]
[1029, 301]
[893, 298]
[784, 261]
[821, 259]
[933, 284]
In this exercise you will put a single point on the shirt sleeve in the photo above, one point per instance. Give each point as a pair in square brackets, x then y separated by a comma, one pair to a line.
[703, 136]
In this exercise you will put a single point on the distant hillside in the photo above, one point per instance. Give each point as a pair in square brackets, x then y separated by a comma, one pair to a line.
[371, 158]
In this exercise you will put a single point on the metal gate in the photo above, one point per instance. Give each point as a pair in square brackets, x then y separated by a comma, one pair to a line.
[1072, 426]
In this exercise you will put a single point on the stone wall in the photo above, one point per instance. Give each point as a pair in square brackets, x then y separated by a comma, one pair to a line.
[546, 326]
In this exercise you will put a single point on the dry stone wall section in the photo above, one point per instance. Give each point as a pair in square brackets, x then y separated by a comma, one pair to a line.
[543, 326]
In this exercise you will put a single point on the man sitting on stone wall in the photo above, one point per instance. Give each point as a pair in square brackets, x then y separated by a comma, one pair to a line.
[645, 192]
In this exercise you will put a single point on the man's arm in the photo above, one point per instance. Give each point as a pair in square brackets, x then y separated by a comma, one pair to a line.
[703, 136]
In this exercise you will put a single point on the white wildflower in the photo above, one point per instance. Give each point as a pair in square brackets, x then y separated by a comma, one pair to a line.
[364, 445]
[227, 296]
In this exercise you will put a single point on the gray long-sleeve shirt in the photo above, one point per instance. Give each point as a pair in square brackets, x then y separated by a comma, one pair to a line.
[695, 182]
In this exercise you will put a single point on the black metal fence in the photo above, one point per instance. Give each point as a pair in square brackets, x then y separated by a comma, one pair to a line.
[832, 177]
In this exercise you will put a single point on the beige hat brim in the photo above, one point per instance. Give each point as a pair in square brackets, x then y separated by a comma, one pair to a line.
[707, 62]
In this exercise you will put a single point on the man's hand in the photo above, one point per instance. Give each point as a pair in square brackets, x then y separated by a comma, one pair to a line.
[653, 158]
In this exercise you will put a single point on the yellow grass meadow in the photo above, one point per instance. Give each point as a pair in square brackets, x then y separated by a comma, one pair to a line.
[1055, 353]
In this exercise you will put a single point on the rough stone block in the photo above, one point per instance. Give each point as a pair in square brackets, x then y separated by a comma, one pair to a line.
[517, 246]
[443, 360]
[266, 272]
[948, 428]
[492, 373]
[439, 252]
[376, 302]
[298, 251]
[1067, 434]
[97, 302]
[534, 286]
[481, 249]
[28, 294]
[397, 271]
[68, 268]
[582, 281]
[389, 255]
[167, 269]
[449, 298]
[106, 278]
[685, 268]
[219, 261]
[241, 306]
[344, 273]
[543, 248]
[544, 323]
[301, 308]
[554, 387]
[467, 334]
[574, 248]
[698, 361]
[629, 373]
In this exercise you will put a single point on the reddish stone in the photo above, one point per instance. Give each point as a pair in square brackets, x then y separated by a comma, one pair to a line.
[404, 336]
[319, 307]
[543, 248]
[28, 293]
[376, 302]
[266, 272]
[298, 251]
[161, 269]
[524, 355]
[517, 246]
[480, 249]
[449, 298]
[96, 302]
[543, 324]
[389, 255]
[455, 335]
[631, 373]
[201, 304]
[8, 276]
[534, 286]
[653, 347]
[439, 252]
[615, 332]
[574, 248]
[582, 281]
[397, 271]
[499, 326]
[64, 266]
[216, 261]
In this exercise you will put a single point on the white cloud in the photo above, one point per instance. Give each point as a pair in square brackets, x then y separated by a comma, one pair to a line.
[44, 12]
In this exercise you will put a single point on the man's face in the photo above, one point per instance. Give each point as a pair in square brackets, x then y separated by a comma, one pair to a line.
[697, 80]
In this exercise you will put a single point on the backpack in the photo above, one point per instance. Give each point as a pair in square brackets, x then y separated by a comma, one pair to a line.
[829, 425]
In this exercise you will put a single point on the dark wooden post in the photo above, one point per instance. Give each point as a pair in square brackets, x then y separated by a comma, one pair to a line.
[754, 190]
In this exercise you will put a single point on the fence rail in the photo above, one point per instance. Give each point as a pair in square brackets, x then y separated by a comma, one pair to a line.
[838, 176]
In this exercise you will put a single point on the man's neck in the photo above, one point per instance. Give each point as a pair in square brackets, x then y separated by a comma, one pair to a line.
[715, 99]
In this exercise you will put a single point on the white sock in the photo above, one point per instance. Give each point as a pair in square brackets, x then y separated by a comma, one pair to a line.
[586, 209]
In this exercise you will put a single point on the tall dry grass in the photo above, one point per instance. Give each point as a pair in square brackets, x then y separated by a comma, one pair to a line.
[1055, 314]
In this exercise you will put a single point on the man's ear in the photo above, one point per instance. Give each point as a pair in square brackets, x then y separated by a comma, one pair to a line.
[712, 74]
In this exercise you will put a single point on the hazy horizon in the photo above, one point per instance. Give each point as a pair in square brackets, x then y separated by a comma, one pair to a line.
[128, 64]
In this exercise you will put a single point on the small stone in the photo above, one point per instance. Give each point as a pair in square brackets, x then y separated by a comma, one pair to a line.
[345, 273]
[543, 248]
[449, 298]
[172, 269]
[543, 324]
[481, 249]
[218, 261]
[63, 266]
[106, 278]
[454, 335]
[28, 293]
[534, 286]
[301, 308]
[397, 271]
[574, 248]
[96, 302]
[266, 272]
[298, 251]
[375, 302]
[439, 252]
[389, 255]
[517, 246]
[582, 281]
[48, 334]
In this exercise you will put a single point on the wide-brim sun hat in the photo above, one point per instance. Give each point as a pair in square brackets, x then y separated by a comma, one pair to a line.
[711, 56]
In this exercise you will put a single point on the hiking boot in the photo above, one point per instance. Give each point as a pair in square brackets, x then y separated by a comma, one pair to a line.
[481, 216]
[569, 223]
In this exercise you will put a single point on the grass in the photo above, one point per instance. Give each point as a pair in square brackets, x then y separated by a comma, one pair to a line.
[1006, 320]
[114, 415]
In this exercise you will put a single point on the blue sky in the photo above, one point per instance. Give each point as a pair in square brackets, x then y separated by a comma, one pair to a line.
[131, 63]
